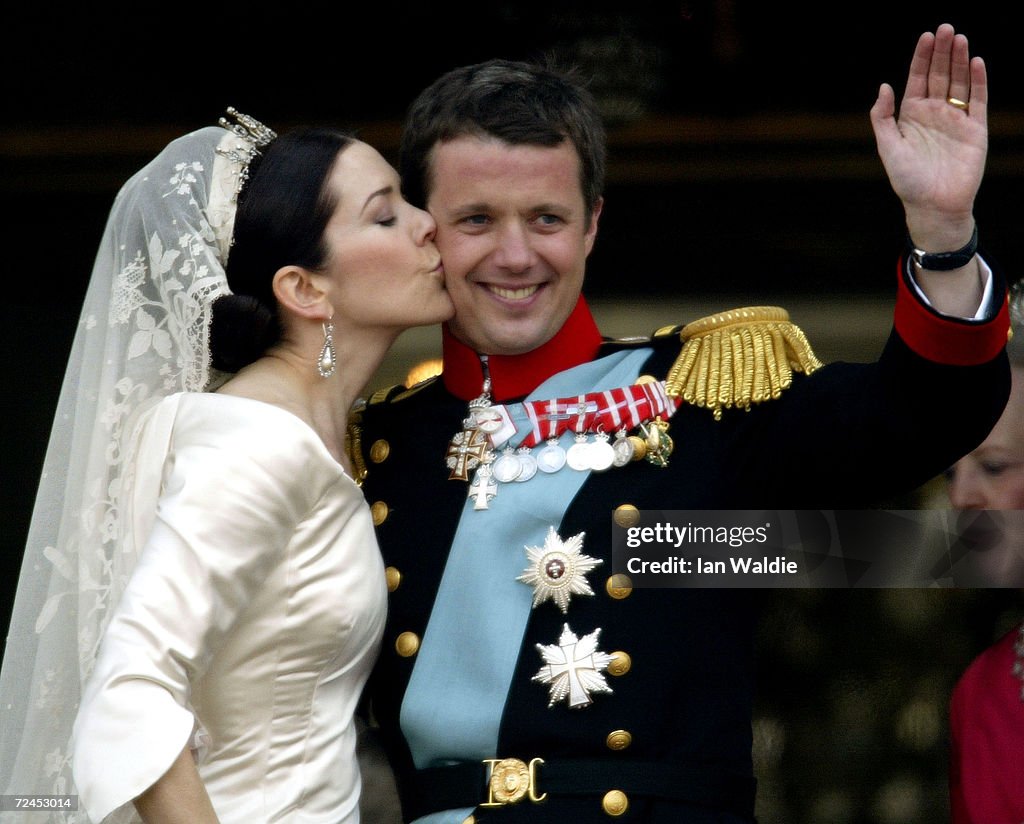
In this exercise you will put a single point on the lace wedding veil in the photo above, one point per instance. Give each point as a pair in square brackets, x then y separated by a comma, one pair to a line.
[142, 335]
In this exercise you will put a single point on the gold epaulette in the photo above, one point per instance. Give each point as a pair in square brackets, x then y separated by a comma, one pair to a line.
[738, 358]
[385, 394]
[354, 445]
[354, 430]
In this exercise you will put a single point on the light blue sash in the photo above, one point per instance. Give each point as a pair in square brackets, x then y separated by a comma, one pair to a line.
[457, 692]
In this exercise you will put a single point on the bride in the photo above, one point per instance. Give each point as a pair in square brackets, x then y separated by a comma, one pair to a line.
[201, 598]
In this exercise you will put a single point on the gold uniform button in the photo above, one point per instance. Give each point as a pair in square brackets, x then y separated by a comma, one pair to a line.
[407, 644]
[645, 379]
[627, 515]
[618, 740]
[620, 663]
[379, 451]
[469, 820]
[393, 577]
[619, 586]
[615, 802]
[379, 512]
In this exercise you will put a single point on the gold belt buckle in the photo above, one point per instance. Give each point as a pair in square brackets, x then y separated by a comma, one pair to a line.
[511, 781]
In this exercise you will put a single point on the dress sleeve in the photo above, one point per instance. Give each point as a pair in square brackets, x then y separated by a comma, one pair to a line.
[224, 519]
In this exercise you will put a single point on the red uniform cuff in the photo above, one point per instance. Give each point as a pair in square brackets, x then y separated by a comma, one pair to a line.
[945, 340]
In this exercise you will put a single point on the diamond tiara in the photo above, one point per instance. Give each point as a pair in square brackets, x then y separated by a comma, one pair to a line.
[253, 137]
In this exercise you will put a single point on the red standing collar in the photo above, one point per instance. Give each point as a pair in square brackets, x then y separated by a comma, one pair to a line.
[515, 376]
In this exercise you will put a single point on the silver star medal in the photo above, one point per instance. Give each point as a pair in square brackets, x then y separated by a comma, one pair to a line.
[572, 668]
[558, 570]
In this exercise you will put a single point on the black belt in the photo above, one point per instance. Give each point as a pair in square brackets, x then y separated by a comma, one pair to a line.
[466, 784]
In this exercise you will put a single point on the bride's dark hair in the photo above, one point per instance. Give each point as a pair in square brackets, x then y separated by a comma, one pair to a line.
[283, 210]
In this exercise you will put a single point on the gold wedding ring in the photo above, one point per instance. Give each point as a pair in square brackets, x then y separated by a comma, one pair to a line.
[956, 102]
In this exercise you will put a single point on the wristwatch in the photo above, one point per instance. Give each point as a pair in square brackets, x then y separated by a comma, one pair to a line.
[945, 261]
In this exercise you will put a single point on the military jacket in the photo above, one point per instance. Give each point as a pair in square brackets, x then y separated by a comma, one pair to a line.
[667, 737]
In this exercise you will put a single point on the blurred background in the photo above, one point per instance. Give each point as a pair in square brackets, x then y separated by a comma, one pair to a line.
[742, 170]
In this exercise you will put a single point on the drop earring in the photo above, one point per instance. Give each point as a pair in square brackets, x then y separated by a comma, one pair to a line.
[326, 364]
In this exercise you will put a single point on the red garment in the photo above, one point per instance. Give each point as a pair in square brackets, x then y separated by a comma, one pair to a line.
[944, 339]
[986, 779]
[513, 376]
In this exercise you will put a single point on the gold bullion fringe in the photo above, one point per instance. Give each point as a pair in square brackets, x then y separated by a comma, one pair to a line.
[739, 357]
[354, 446]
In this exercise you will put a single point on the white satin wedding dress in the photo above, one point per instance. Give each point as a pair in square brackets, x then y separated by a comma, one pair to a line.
[249, 625]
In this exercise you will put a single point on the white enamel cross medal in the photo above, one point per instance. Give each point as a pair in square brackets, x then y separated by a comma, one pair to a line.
[558, 570]
[483, 488]
[572, 668]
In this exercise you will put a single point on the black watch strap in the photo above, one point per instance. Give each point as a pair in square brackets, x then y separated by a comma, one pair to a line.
[946, 261]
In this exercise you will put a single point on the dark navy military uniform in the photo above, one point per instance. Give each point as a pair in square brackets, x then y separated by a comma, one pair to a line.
[671, 741]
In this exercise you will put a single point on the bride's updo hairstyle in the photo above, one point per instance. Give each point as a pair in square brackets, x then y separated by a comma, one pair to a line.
[283, 209]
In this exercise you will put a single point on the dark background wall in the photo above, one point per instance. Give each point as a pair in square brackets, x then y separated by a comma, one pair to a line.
[742, 170]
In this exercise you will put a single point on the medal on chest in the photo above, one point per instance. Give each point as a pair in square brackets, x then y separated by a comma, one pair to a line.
[558, 570]
[471, 446]
[643, 408]
[573, 668]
